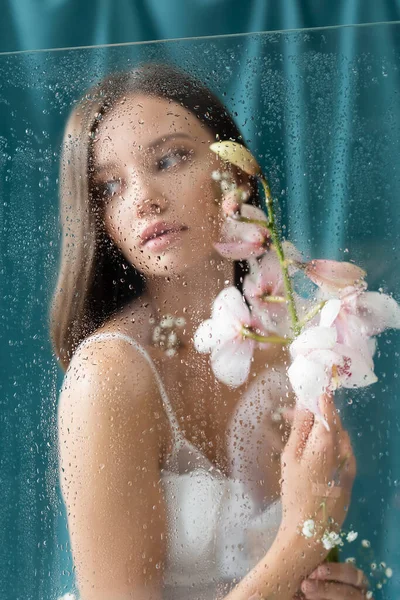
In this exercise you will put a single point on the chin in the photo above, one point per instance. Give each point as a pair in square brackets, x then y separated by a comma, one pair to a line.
[171, 263]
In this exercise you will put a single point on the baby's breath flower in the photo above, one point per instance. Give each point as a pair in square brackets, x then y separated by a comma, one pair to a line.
[216, 175]
[365, 544]
[373, 566]
[308, 528]
[331, 539]
[351, 536]
[368, 595]
[351, 560]
[388, 572]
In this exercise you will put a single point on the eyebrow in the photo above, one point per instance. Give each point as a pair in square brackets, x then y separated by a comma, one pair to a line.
[164, 138]
[160, 140]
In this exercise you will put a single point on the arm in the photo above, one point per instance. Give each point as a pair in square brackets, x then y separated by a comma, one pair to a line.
[109, 444]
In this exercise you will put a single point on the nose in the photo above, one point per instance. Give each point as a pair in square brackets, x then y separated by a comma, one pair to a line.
[148, 199]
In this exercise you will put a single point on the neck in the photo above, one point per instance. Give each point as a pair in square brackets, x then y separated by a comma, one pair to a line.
[191, 293]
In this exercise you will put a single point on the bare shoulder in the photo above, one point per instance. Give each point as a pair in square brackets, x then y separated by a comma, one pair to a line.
[109, 378]
[113, 356]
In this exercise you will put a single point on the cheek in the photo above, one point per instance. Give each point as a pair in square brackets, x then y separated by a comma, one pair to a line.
[117, 223]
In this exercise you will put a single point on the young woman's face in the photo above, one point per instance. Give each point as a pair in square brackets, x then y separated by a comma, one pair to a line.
[153, 167]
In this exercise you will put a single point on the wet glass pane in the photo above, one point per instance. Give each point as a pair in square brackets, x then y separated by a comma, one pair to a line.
[163, 306]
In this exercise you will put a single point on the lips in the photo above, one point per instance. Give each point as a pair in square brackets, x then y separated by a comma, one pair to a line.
[158, 229]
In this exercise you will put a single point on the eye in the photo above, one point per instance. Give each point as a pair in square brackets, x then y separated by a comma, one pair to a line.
[110, 188]
[172, 158]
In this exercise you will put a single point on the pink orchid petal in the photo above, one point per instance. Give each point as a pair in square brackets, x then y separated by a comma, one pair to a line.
[230, 306]
[349, 328]
[270, 273]
[204, 338]
[313, 338]
[333, 275]
[354, 371]
[329, 312]
[252, 212]
[325, 356]
[378, 312]
[263, 320]
[234, 230]
[372, 344]
[309, 381]
[273, 318]
[250, 289]
[238, 250]
[231, 361]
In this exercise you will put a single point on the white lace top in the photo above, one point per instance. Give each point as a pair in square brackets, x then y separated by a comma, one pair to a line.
[218, 530]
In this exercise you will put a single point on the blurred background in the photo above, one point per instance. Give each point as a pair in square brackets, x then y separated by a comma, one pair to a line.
[321, 110]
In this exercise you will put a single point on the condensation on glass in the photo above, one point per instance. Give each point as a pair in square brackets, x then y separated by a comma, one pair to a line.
[148, 470]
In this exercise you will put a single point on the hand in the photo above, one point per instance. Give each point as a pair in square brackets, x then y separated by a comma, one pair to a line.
[311, 459]
[233, 199]
[335, 581]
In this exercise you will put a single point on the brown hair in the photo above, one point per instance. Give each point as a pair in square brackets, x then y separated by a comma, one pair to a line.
[95, 280]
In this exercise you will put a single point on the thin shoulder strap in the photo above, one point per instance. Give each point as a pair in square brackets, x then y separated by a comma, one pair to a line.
[166, 402]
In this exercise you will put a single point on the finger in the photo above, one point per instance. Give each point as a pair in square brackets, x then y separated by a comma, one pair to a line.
[303, 422]
[234, 198]
[329, 412]
[288, 414]
[323, 590]
[322, 435]
[341, 573]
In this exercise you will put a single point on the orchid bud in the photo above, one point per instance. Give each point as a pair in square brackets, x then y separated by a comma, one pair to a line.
[237, 155]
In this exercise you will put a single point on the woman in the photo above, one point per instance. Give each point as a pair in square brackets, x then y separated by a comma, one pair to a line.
[176, 485]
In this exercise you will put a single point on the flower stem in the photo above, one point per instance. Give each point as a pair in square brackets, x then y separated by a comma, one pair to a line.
[265, 339]
[333, 555]
[273, 299]
[311, 314]
[279, 251]
[254, 221]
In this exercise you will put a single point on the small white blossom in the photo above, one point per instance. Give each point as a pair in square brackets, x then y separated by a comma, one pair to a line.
[365, 544]
[308, 528]
[373, 566]
[216, 175]
[167, 322]
[170, 352]
[228, 186]
[331, 539]
[351, 560]
[172, 338]
[382, 565]
[68, 597]
[156, 333]
[379, 586]
[388, 572]
[351, 536]
[368, 595]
